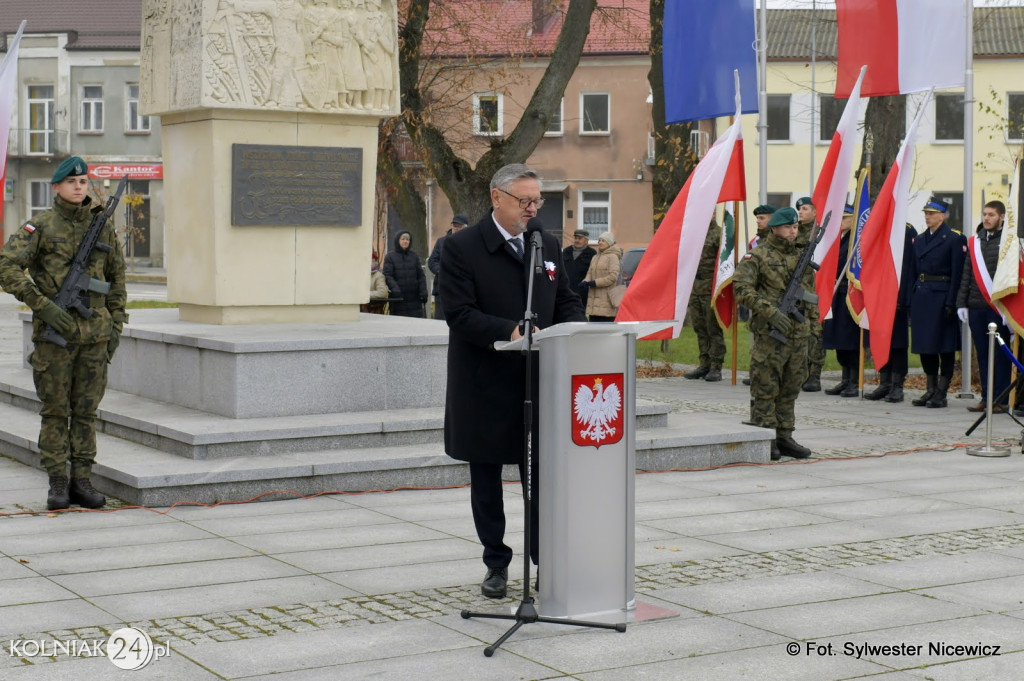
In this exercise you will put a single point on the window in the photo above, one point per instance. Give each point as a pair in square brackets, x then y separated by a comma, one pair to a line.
[778, 118]
[487, 114]
[780, 200]
[135, 122]
[596, 113]
[831, 110]
[40, 119]
[40, 197]
[92, 109]
[1015, 114]
[555, 127]
[595, 207]
[949, 117]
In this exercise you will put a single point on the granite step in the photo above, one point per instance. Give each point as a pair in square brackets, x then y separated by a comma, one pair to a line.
[142, 475]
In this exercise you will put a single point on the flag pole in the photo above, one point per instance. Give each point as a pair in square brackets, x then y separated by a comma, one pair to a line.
[762, 113]
[965, 351]
[735, 305]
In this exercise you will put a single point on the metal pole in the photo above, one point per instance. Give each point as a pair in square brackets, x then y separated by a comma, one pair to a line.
[988, 449]
[762, 105]
[968, 226]
[814, 96]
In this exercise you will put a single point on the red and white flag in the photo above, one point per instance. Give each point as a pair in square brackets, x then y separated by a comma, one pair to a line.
[908, 45]
[661, 287]
[830, 197]
[722, 297]
[881, 246]
[1007, 294]
[8, 96]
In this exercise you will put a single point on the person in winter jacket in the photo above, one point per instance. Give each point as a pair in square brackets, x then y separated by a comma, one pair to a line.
[402, 265]
[601, 277]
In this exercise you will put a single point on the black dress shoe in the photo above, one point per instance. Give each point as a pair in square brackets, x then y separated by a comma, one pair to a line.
[495, 584]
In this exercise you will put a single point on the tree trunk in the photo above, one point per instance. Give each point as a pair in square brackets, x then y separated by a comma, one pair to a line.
[404, 196]
[886, 120]
[674, 159]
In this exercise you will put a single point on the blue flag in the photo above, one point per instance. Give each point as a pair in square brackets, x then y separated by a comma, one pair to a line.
[703, 42]
[854, 293]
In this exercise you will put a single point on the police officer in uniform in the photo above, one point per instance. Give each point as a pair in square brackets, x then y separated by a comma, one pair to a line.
[710, 339]
[842, 333]
[777, 370]
[939, 254]
[808, 214]
[70, 381]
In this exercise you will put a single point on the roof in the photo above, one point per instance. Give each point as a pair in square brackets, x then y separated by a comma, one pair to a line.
[998, 32]
[90, 24]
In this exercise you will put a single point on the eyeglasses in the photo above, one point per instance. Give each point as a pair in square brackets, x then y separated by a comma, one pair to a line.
[524, 203]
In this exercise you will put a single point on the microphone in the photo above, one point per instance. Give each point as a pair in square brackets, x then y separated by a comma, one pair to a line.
[535, 229]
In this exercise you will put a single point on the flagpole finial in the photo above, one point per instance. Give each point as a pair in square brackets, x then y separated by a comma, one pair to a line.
[736, 80]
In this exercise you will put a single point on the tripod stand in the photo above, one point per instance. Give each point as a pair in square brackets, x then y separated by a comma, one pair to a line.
[527, 613]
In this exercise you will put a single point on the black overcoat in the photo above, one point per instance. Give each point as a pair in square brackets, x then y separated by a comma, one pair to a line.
[483, 290]
[939, 260]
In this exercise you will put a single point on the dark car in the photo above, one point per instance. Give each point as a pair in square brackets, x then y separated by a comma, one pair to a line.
[630, 260]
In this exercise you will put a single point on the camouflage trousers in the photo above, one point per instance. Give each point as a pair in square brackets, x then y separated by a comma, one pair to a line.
[710, 339]
[777, 372]
[815, 352]
[70, 383]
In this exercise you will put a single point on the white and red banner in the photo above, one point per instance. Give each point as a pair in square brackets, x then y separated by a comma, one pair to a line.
[908, 45]
[1007, 296]
[8, 96]
[597, 409]
[661, 287]
[722, 297]
[881, 246]
[830, 197]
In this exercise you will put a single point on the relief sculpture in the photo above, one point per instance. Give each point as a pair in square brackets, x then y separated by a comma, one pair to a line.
[317, 55]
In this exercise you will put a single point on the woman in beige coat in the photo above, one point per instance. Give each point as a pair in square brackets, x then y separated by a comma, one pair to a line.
[601, 278]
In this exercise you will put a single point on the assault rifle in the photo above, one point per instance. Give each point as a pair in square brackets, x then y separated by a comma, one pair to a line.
[73, 294]
[795, 292]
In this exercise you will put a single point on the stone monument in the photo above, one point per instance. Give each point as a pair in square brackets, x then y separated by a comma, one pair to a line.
[269, 113]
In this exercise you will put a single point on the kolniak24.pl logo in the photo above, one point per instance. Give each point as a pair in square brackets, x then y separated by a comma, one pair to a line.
[128, 648]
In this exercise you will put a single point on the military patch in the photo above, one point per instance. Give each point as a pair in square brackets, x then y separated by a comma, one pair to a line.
[30, 228]
[746, 256]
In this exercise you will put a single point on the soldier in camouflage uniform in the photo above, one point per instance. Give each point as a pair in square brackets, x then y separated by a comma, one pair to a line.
[69, 381]
[777, 370]
[710, 340]
[815, 349]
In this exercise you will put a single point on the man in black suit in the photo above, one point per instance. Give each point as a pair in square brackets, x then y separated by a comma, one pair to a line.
[484, 277]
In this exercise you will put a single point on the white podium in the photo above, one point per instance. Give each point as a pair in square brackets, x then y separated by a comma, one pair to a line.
[587, 401]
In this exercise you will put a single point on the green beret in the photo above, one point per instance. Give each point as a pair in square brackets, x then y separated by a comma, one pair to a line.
[764, 209]
[70, 166]
[804, 201]
[783, 216]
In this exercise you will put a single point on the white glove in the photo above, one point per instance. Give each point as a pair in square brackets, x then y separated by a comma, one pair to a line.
[961, 312]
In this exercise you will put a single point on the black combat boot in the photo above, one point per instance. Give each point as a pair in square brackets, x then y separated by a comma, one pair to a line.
[896, 394]
[713, 375]
[699, 372]
[843, 382]
[789, 447]
[84, 495]
[928, 392]
[884, 386]
[938, 400]
[813, 383]
[57, 497]
[852, 388]
[776, 454]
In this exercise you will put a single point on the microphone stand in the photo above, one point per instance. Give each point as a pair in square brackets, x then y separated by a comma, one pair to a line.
[527, 613]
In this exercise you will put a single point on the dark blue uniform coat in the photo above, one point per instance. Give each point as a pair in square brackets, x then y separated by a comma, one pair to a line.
[940, 255]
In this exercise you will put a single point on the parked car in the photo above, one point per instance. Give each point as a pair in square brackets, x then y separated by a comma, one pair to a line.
[630, 260]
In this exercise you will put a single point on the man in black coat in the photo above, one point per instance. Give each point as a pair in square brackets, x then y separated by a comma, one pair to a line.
[576, 259]
[434, 262]
[483, 285]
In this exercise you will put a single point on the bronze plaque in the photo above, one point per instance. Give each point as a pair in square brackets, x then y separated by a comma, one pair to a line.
[280, 185]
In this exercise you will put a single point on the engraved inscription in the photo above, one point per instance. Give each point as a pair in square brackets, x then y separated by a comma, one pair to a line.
[280, 185]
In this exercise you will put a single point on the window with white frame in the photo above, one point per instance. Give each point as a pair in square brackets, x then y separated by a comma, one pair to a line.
[40, 119]
[596, 209]
[828, 121]
[92, 109]
[1015, 116]
[555, 127]
[133, 120]
[40, 197]
[487, 113]
[595, 113]
[949, 117]
[778, 118]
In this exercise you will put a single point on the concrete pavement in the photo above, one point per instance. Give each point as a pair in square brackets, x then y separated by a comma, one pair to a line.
[853, 565]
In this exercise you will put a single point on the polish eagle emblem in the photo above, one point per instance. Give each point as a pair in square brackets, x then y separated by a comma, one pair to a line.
[597, 409]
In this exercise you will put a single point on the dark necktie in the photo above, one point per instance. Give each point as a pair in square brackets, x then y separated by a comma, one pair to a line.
[518, 245]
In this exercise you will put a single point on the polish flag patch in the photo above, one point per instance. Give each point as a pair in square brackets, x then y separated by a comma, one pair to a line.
[30, 228]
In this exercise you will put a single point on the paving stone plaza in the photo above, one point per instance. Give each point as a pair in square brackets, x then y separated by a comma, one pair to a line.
[892, 555]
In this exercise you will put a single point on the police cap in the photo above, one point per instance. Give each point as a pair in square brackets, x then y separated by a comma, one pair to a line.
[70, 166]
[935, 205]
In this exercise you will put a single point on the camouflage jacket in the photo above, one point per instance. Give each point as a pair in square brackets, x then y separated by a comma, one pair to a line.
[761, 280]
[708, 259]
[46, 247]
